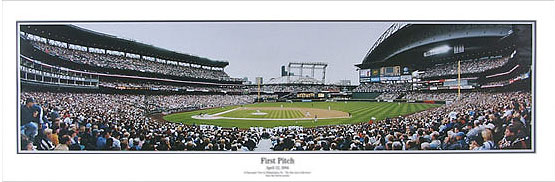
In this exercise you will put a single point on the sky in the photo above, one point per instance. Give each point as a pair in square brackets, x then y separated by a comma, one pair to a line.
[259, 48]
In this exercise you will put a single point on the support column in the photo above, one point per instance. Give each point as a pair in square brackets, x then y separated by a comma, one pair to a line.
[324, 74]
[302, 65]
[313, 67]
[288, 72]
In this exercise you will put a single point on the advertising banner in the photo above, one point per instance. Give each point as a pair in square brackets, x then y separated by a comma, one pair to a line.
[365, 73]
[390, 78]
[375, 72]
[364, 80]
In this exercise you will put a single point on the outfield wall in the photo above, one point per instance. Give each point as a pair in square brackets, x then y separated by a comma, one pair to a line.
[366, 95]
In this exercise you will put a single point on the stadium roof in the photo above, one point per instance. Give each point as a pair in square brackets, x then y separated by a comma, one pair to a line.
[80, 36]
[403, 38]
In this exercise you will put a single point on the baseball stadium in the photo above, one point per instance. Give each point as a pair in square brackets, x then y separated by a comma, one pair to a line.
[423, 87]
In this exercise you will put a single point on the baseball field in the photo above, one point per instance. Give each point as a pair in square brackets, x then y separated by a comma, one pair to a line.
[306, 114]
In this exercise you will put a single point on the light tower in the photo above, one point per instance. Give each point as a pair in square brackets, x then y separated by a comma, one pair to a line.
[312, 66]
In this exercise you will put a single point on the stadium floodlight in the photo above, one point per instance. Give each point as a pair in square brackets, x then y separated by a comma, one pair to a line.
[437, 50]
[441, 49]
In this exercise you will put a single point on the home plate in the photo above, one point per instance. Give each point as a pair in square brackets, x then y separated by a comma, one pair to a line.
[258, 113]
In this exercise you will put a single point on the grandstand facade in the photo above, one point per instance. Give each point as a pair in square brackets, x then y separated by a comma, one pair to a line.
[427, 57]
[106, 54]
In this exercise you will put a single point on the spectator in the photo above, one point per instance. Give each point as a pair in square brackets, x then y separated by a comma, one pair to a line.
[488, 140]
[101, 142]
[54, 137]
[44, 141]
[65, 141]
[30, 114]
[110, 144]
[511, 140]
[27, 144]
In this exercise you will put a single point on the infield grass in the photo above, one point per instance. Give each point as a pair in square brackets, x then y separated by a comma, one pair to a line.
[360, 111]
[270, 114]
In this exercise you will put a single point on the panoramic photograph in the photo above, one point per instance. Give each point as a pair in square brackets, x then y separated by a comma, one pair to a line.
[276, 87]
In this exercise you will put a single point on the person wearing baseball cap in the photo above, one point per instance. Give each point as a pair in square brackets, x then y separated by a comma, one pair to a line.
[460, 141]
[29, 115]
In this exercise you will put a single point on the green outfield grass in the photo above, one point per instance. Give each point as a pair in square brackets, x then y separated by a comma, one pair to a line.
[361, 112]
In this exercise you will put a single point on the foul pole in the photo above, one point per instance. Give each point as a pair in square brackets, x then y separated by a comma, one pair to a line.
[459, 80]
[258, 99]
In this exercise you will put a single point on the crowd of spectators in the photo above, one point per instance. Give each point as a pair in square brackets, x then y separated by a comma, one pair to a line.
[478, 121]
[388, 96]
[90, 121]
[383, 87]
[294, 88]
[467, 66]
[242, 88]
[430, 96]
[169, 102]
[166, 87]
[126, 63]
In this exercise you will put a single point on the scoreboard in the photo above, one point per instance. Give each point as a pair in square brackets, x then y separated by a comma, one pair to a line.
[391, 73]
